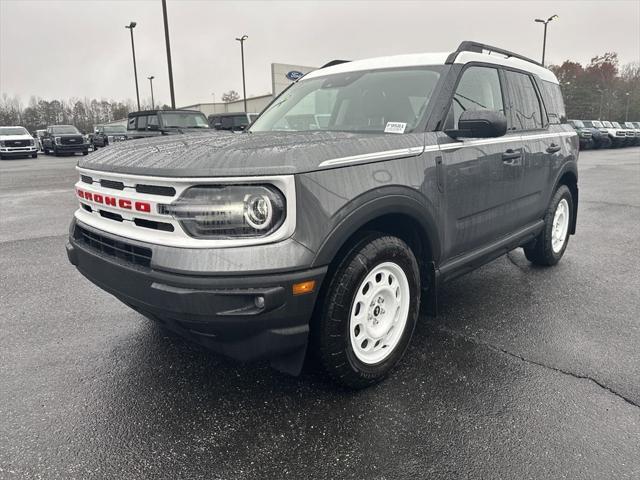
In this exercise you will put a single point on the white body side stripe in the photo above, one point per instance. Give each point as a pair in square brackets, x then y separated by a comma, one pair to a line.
[416, 151]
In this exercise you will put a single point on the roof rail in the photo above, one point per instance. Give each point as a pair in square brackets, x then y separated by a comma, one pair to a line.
[334, 62]
[469, 46]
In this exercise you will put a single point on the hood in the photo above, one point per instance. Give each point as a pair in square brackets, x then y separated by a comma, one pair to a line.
[25, 136]
[66, 135]
[215, 154]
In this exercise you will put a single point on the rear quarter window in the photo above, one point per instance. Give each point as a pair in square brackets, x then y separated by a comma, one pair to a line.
[552, 96]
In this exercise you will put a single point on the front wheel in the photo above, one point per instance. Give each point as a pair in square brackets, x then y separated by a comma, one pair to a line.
[85, 152]
[550, 244]
[368, 312]
[34, 155]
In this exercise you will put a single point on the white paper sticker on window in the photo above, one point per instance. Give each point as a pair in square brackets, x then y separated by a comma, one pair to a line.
[395, 127]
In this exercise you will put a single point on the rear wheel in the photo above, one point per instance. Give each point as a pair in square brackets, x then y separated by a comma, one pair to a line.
[368, 312]
[549, 246]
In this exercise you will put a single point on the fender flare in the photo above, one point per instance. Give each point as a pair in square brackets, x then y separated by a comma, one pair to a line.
[375, 204]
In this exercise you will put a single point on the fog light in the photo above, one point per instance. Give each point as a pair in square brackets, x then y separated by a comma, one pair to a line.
[259, 301]
[303, 287]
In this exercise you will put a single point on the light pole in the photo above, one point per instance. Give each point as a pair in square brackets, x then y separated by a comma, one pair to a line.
[544, 41]
[244, 88]
[626, 113]
[131, 26]
[166, 38]
[151, 82]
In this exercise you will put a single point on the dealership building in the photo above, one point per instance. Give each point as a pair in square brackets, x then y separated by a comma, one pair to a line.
[282, 75]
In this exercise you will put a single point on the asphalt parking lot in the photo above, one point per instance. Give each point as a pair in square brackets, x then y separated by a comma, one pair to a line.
[526, 372]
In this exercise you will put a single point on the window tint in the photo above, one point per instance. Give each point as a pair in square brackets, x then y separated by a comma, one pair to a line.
[553, 102]
[132, 123]
[142, 123]
[479, 89]
[152, 120]
[525, 110]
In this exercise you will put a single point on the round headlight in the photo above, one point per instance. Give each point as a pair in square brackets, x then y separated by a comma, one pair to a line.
[258, 211]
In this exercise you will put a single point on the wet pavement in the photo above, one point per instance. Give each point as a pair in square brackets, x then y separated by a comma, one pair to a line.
[526, 373]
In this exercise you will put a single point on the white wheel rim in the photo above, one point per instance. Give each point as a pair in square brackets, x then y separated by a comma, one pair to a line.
[560, 226]
[379, 313]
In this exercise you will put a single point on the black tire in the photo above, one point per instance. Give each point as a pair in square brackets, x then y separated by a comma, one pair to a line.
[331, 340]
[55, 152]
[540, 251]
[86, 152]
[34, 155]
[46, 151]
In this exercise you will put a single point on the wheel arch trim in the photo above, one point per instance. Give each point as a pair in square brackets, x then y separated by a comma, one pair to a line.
[380, 204]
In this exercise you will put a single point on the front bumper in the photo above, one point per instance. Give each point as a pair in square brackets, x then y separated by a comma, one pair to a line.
[217, 311]
[18, 151]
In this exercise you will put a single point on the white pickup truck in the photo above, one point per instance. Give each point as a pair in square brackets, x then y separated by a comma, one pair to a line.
[15, 142]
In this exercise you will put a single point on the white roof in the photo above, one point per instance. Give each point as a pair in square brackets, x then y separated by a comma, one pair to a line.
[424, 59]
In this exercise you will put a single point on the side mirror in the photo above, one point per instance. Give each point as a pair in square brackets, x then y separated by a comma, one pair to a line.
[480, 124]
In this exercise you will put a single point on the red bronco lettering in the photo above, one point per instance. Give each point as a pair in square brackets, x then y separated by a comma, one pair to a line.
[125, 204]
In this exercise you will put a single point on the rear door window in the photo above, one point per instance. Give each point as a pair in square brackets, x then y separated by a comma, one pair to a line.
[524, 104]
[142, 123]
[478, 89]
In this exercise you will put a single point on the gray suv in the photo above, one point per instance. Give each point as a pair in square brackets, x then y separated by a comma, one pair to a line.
[327, 225]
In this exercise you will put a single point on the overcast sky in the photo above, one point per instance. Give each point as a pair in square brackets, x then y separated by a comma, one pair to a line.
[78, 48]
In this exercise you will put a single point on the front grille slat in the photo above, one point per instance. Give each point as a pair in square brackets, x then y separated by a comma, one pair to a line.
[139, 256]
[156, 190]
[112, 184]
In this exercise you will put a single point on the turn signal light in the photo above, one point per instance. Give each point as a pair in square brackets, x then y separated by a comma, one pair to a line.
[303, 287]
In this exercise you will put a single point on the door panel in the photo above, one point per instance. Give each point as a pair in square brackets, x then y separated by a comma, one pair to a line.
[481, 179]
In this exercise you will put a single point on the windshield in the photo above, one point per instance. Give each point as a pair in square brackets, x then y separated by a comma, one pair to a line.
[577, 123]
[183, 120]
[607, 124]
[13, 131]
[64, 129]
[372, 101]
[115, 129]
[593, 124]
[629, 125]
[616, 124]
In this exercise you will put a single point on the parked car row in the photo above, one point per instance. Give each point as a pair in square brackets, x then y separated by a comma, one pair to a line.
[605, 134]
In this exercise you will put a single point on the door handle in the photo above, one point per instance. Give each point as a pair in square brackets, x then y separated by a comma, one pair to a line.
[553, 148]
[510, 155]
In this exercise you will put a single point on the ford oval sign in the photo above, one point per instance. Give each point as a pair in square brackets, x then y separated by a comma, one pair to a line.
[294, 75]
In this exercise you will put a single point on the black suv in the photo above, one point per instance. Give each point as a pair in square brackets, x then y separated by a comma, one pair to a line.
[105, 134]
[585, 134]
[600, 135]
[61, 139]
[236, 121]
[359, 191]
[152, 123]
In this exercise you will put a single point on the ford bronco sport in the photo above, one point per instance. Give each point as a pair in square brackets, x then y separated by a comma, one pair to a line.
[355, 194]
